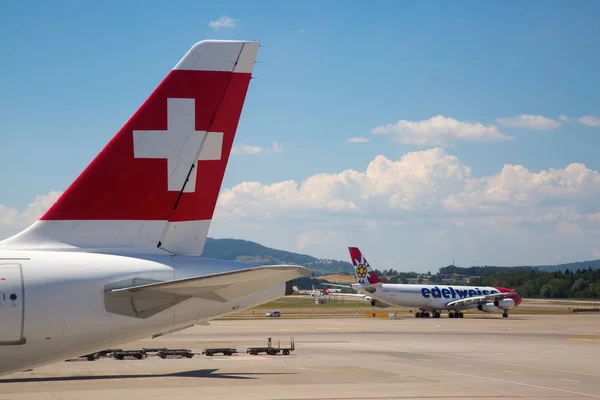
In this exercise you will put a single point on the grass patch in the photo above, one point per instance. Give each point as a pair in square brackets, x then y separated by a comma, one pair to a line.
[305, 307]
[309, 302]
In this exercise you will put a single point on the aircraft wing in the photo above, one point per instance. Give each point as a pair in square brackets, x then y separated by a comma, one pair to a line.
[349, 295]
[479, 299]
[336, 285]
[143, 301]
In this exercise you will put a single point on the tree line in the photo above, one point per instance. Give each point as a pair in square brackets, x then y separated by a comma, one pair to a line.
[581, 284]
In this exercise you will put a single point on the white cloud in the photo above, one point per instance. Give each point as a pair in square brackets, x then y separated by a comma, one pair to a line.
[515, 186]
[357, 140]
[246, 149]
[301, 30]
[405, 184]
[439, 130]
[12, 221]
[223, 22]
[590, 120]
[537, 122]
[249, 149]
[427, 187]
[564, 118]
[277, 148]
[317, 238]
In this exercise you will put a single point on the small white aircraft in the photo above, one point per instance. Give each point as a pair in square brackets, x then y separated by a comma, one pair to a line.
[434, 298]
[117, 257]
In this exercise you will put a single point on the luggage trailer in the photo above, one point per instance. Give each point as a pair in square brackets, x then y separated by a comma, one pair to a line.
[270, 350]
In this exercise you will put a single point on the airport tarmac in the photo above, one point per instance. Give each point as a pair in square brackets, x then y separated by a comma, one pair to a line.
[483, 357]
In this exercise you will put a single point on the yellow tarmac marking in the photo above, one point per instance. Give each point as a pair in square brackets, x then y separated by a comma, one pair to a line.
[584, 339]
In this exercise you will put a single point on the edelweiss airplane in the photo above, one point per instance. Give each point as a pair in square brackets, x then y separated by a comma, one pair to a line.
[116, 258]
[434, 298]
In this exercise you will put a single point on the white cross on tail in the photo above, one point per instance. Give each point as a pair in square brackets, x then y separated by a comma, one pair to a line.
[180, 144]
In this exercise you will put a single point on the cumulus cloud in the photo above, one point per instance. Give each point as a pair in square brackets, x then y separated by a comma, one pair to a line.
[223, 22]
[564, 118]
[405, 184]
[537, 122]
[246, 149]
[429, 183]
[590, 120]
[357, 140]
[250, 149]
[430, 205]
[439, 131]
[517, 187]
[277, 147]
[12, 221]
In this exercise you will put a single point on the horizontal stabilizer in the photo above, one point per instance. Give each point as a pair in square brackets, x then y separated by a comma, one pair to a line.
[146, 300]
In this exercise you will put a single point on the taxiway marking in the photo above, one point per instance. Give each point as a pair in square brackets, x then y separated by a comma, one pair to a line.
[496, 380]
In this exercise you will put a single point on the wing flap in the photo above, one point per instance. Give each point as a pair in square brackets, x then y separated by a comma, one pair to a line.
[143, 301]
[225, 285]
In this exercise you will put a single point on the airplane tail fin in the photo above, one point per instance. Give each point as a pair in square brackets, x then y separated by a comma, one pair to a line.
[364, 273]
[154, 186]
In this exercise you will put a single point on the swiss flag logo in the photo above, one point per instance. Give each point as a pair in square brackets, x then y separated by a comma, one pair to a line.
[168, 161]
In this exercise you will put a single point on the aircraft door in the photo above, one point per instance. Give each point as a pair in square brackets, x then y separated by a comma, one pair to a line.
[11, 304]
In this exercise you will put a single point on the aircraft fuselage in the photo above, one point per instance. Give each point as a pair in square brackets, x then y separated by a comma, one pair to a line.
[434, 297]
[54, 305]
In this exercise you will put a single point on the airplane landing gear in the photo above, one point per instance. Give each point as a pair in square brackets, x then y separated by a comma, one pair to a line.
[422, 314]
[505, 314]
[436, 314]
[455, 314]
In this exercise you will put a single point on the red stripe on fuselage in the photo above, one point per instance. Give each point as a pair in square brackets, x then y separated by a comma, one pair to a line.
[117, 186]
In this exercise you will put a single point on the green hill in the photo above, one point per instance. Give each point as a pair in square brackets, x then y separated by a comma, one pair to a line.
[489, 270]
[594, 264]
[247, 251]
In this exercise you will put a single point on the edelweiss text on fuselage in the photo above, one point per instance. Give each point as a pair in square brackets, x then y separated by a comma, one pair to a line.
[450, 292]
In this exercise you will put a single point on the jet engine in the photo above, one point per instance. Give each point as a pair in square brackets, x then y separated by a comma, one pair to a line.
[376, 303]
[487, 307]
[505, 304]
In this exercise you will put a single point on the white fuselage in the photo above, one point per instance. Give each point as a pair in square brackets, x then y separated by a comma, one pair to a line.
[59, 312]
[434, 297]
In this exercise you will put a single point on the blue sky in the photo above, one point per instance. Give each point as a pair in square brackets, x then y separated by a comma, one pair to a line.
[75, 71]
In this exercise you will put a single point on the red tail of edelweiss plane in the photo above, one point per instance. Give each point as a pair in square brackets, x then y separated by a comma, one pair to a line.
[364, 273]
[154, 187]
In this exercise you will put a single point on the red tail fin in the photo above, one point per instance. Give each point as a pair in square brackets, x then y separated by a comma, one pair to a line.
[362, 269]
[156, 183]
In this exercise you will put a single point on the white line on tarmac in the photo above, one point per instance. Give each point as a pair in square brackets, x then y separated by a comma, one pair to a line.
[510, 372]
[464, 365]
[569, 380]
[505, 363]
[496, 380]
